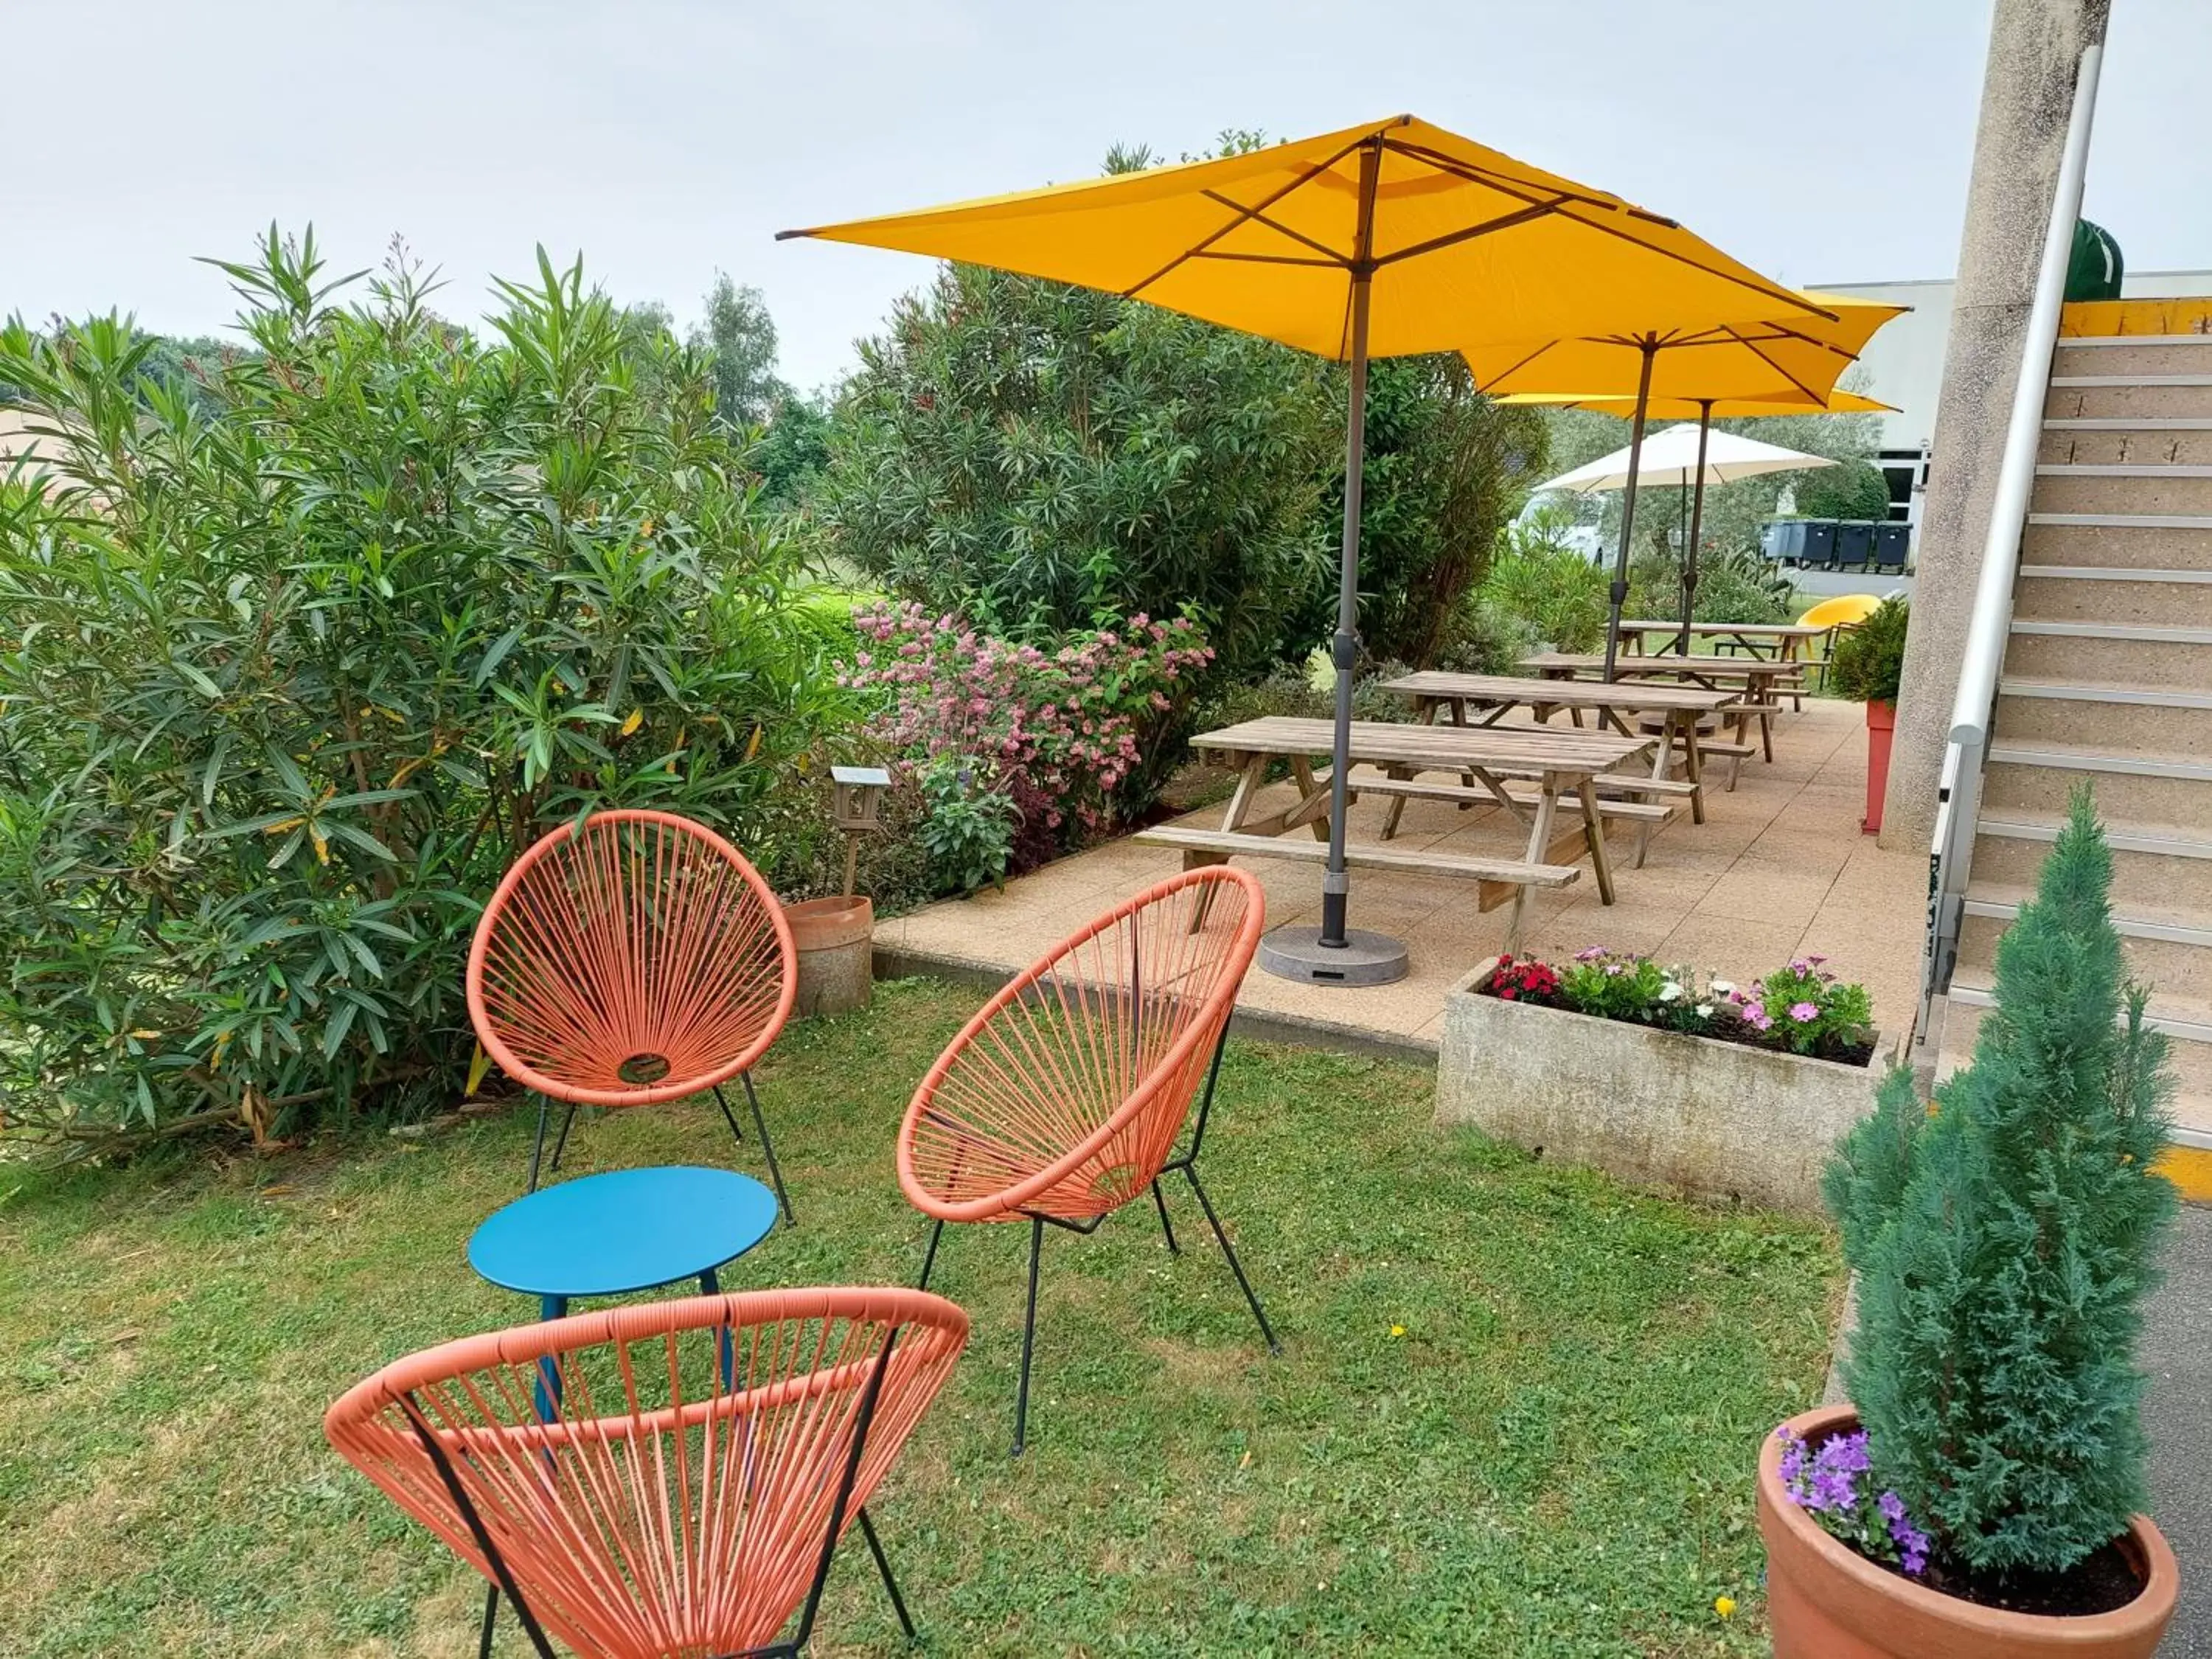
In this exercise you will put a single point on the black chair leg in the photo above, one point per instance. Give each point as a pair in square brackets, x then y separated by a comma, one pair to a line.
[537, 1146]
[1028, 1337]
[767, 1149]
[491, 1616]
[1166, 1226]
[929, 1260]
[561, 1141]
[767, 1146]
[1235, 1265]
[883, 1567]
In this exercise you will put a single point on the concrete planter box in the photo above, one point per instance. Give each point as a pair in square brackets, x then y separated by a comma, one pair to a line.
[1713, 1118]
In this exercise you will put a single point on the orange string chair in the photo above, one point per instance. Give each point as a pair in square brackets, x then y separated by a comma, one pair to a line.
[1063, 1099]
[663, 1479]
[632, 959]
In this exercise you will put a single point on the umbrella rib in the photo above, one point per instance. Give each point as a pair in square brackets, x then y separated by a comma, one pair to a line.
[1243, 215]
[1473, 174]
[1272, 260]
[1752, 347]
[1508, 374]
[1259, 216]
[1451, 238]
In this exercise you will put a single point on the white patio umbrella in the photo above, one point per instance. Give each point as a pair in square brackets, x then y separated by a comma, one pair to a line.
[1671, 458]
[1681, 456]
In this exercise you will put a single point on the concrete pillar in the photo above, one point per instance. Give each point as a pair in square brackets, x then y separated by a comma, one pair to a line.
[2027, 93]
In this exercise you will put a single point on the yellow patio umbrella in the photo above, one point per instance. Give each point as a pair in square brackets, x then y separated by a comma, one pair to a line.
[1704, 410]
[1384, 239]
[1794, 354]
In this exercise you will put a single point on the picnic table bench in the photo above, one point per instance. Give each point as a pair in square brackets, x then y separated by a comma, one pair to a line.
[1757, 681]
[1772, 642]
[1679, 707]
[1556, 762]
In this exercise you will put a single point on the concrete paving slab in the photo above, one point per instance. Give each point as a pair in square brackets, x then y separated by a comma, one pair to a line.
[1784, 848]
[2178, 1414]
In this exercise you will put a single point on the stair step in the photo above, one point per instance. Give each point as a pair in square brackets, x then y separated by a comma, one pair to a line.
[2152, 696]
[2106, 572]
[2174, 925]
[2072, 470]
[2143, 633]
[2092, 342]
[2129, 423]
[2162, 841]
[2084, 381]
[2076, 758]
[2126, 520]
[2183, 1019]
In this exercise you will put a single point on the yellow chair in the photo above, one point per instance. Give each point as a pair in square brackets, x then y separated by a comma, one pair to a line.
[1845, 611]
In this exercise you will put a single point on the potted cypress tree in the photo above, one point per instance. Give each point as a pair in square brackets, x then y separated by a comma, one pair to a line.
[1981, 1496]
[1868, 662]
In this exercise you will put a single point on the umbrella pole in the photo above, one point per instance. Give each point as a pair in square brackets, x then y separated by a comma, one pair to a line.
[1344, 649]
[1697, 522]
[1620, 596]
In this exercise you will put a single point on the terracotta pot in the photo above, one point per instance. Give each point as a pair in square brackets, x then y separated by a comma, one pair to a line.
[834, 937]
[1881, 726]
[1826, 1600]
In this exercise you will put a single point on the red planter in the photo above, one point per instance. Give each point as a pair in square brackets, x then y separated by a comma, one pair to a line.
[1824, 1600]
[1881, 723]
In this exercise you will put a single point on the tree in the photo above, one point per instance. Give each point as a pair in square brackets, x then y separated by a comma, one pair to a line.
[1445, 469]
[741, 334]
[287, 687]
[2006, 1244]
[1040, 458]
[1852, 491]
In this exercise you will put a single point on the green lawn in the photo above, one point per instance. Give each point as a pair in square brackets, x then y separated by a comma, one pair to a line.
[1516, 1414]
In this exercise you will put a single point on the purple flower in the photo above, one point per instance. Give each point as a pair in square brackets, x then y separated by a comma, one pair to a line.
[1799, 964]
[1816, 960]
[1590, 955]
[1803, 1012]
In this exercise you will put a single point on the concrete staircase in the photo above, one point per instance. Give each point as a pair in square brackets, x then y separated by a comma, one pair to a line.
[2108, 676]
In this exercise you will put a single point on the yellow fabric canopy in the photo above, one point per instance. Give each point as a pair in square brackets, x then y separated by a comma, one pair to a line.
[1692, 409]
[1466, 246]
[1798, 356]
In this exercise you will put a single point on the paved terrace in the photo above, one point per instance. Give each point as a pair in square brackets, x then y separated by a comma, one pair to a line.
[1778, 869]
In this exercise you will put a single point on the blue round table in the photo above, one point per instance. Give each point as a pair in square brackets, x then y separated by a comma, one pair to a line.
[625, 1231]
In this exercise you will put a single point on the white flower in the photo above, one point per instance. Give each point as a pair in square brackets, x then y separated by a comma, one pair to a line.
[1722, 987]
[1670, 992]
[1705, 1010]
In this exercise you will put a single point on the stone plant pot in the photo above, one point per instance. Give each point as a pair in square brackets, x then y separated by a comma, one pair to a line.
[836, 941]
[1826, 1600]
[1718, 1119]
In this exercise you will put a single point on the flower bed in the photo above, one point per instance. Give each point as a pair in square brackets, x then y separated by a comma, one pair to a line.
[1656, 1076]
[1801, 1009]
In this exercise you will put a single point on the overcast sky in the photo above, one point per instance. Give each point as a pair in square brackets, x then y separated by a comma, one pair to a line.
[666, 139]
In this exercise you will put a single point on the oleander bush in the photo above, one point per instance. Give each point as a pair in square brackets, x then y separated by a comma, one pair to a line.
[291, 670]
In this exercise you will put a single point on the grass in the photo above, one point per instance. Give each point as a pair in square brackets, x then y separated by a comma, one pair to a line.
[1516, 1414]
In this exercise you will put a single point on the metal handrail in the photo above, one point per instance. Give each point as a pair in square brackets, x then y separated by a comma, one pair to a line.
[1959, 793]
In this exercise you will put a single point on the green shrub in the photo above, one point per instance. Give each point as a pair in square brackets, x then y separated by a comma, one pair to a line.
[1041, 459]
[1869, 663]
[1540, 583]
[2006, 1244]
[967, 824]
[1852, 489]
[1738, 585]
[285, 687]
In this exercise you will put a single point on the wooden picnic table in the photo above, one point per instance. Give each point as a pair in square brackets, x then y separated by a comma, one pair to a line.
[1559, 762]
[1758, 679]
[1680, 708]
[1772, 642]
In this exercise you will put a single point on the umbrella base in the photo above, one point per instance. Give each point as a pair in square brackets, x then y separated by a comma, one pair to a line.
[1364, 958]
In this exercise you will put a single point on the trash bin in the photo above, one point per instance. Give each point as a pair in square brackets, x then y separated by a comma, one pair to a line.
[1892, 542]
[1783, 540]
[1819, 550]
[1855, 543]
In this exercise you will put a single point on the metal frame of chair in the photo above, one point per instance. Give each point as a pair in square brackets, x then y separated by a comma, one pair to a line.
[627, 958]
[685, 1522]
[1065, 1097]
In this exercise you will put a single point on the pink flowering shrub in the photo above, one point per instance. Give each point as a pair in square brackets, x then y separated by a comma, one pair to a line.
[1057, 732]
